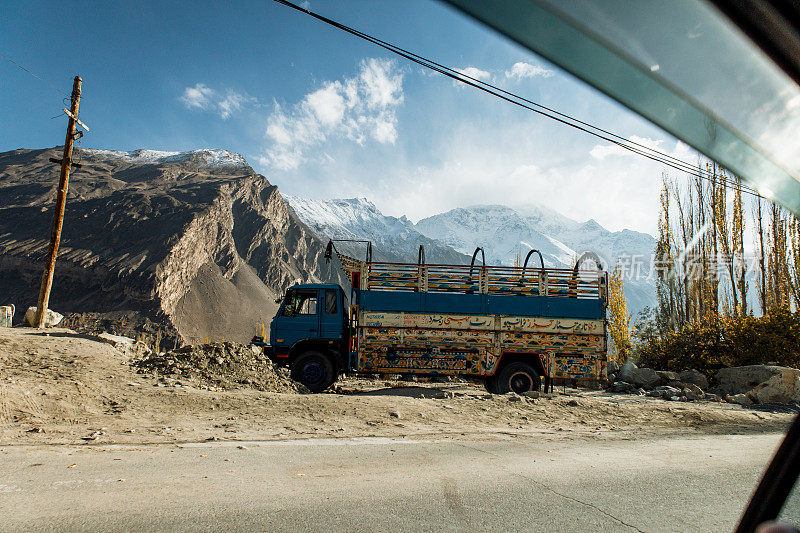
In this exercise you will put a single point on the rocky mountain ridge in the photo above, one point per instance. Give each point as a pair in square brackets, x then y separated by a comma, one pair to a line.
[186, 244]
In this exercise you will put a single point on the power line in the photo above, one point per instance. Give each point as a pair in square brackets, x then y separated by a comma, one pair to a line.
[59, 91]
[632, 146]
[596, 131]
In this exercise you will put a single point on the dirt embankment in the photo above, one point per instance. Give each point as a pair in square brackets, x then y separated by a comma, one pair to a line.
[62, 387]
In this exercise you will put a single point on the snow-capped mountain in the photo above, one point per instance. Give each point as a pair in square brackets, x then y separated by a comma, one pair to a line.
[206, 157]
[499, 230]
[504, 234]
[589, 235]
[393, 239]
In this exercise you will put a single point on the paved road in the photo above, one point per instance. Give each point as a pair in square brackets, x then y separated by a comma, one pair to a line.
[519, 484]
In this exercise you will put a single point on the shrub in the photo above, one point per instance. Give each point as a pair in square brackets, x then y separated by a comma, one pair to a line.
[716, 341]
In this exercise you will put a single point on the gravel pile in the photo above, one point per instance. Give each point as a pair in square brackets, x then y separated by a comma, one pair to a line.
[220, 365]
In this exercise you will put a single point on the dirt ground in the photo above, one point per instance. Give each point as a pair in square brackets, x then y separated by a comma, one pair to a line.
[60, 387]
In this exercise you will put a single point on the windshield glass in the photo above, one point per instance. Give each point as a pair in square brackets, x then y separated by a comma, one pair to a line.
[791, 509]
[569, 266]
[301, 302]
[679, 64]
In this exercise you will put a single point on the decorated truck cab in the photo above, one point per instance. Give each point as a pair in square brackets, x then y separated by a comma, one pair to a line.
[512, 327]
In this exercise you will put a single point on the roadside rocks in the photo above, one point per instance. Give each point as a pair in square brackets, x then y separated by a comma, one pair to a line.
[688, 393]
[780, 388]
[222, 365]
[646, 378]
[741, 399]
[664, 384]
[667, 376]
[626, 372]
[692, 392]
[745, 385]
[693, 377]
[779, 385]
[742, 379]
[51, 318]
[125, 345]
[664, 391]
[622, 386]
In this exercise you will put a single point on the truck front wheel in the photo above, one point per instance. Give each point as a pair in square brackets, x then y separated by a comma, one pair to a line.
[490, 383]
[517, 377]
[313, 369]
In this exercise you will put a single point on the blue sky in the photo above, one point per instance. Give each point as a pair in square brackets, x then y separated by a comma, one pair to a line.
[323, 114]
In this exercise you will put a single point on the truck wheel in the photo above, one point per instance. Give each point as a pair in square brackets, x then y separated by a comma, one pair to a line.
[490, 383]
[314, 370]
[518, 377]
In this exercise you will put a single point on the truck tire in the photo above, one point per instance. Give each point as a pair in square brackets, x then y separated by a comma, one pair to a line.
[313, 369]
[517, 377]
[490, 383]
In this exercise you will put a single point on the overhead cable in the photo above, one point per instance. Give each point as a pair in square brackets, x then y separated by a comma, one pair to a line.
[627, 144]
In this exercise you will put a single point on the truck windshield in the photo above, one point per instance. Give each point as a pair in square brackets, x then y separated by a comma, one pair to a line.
[300, 303]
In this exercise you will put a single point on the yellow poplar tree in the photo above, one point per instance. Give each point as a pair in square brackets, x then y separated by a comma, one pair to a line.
[618, 317]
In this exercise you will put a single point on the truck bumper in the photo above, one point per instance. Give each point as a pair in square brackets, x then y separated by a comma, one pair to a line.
[279, 358]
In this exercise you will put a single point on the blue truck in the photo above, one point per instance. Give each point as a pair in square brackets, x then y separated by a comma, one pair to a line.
[512, 327]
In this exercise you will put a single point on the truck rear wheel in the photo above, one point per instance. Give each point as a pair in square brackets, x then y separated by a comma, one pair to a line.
[313, 369]
[517, 377]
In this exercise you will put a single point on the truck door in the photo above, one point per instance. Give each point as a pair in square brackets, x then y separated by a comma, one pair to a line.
[300, 317]
[330, 314]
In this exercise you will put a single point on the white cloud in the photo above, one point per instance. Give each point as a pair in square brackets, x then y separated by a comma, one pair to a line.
[327, 104]
[305, 4]
[198, 96]
[232, 102]
[475, 72]
[207, 99]
[355, 108]
[526, 70]
[385, 129]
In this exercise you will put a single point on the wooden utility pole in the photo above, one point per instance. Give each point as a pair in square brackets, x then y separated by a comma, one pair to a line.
[61, 202]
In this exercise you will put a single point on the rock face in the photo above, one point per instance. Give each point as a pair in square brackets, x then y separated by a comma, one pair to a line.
[694, 377]
[180, 246]
[783, 388]
[626, 372]
[741, 379]
[646, 378]
[51, 318]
